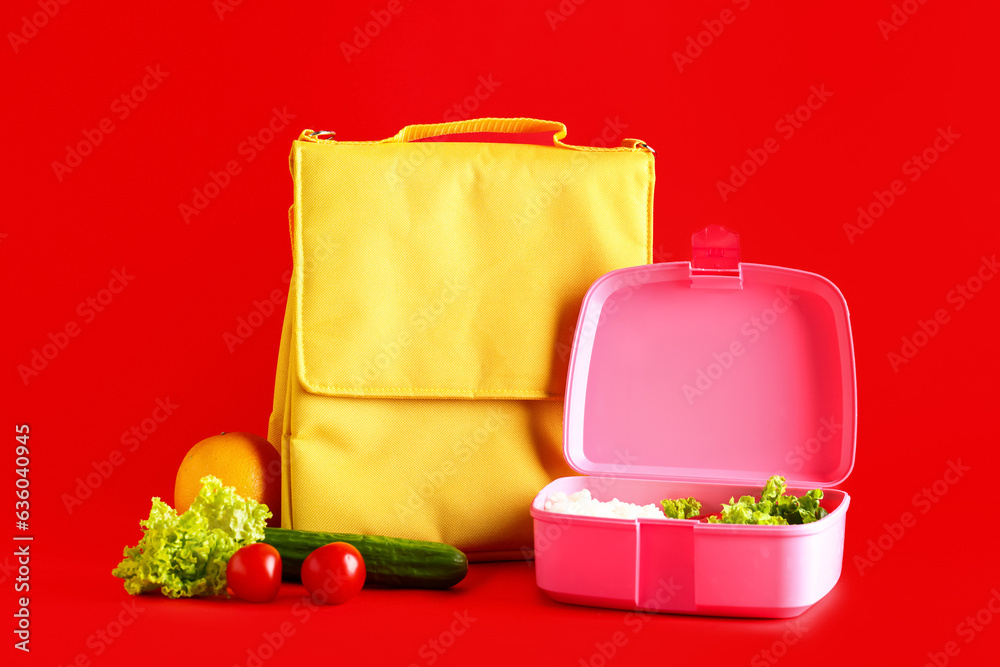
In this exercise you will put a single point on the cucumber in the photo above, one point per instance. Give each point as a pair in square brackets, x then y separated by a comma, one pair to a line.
[390, 562]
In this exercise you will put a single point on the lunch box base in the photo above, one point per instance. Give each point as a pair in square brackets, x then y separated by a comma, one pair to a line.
[684, 566]
[733, 612]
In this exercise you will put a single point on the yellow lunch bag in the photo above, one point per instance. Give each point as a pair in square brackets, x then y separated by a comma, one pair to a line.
[427, 333]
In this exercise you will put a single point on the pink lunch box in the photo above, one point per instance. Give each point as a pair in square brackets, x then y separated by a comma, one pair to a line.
[703, 379]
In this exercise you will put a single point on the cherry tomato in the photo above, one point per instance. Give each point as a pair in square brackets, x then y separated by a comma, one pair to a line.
[254, 573]
[334, 573]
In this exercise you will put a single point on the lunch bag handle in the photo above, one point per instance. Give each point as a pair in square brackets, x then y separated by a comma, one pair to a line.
[481, 125]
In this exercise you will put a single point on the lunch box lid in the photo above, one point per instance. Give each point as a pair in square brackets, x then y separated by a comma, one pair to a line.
[712, 370]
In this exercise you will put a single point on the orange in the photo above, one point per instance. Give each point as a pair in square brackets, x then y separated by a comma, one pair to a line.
[242, 460]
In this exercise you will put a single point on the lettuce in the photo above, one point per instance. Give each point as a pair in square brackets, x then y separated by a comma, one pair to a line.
[186, 555]
[748, 511]
[774, 508]
[681, 508]
[774, 488]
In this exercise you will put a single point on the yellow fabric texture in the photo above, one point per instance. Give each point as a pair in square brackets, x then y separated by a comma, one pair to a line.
[428, 328]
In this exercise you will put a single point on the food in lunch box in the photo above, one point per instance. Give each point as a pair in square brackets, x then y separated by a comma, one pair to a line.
[681, 508]
[583, 504]
[774, 508]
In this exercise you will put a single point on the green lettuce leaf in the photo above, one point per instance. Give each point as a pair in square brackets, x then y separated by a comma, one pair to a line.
[681, 508]
[186, 555]
[747, 511]
[773, 489]
[774, 509]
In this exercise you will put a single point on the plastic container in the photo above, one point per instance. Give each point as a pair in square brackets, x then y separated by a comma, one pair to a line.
[703, 379]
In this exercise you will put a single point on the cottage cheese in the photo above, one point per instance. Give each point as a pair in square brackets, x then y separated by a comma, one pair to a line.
[583, 504]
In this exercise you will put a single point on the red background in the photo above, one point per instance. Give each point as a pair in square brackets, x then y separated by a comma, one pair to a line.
[162, 336]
